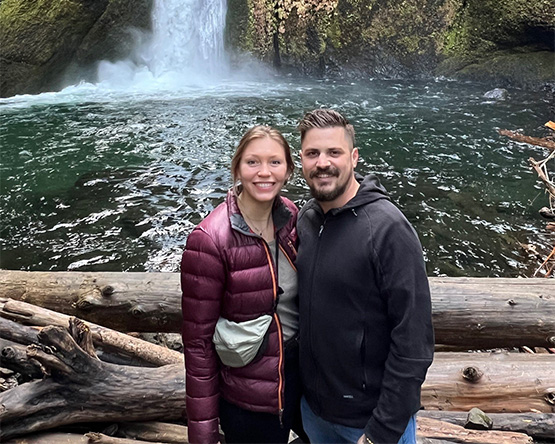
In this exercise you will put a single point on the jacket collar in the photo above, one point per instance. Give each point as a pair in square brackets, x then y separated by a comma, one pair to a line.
[280, 214]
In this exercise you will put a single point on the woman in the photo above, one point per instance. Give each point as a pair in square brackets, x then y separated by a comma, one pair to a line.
[229, 271]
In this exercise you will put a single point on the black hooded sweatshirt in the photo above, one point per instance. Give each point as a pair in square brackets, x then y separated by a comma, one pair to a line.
[366, 332]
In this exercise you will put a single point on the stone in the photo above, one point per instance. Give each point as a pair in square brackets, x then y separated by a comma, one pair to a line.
[497, 94]
[478, 420]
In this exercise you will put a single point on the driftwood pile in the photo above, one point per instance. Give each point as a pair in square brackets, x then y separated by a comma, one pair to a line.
[71, 373]
[547, 267]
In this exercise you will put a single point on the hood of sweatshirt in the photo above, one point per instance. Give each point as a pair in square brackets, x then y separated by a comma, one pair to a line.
[370, 190]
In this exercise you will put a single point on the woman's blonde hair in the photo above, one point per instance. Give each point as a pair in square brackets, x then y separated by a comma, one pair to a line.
[259, 132]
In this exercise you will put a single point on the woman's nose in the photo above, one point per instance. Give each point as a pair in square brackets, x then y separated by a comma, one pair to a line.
[264, 170]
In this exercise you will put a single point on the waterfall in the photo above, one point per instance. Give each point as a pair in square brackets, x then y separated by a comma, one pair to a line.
[188, 36]
[186, 47]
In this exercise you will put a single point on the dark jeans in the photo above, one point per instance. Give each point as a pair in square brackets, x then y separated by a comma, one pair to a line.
[243, 426]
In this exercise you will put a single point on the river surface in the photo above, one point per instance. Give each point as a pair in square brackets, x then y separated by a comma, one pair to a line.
[112, 179]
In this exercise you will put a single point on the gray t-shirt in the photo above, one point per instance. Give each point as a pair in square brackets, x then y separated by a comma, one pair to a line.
[288, 306]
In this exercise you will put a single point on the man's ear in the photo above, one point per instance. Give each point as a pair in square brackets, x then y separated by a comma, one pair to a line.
[354, 157]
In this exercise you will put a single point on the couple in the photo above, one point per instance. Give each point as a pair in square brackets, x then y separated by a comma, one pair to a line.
[350, 328]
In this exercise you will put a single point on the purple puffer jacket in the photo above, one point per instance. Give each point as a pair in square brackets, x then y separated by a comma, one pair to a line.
[228, 271]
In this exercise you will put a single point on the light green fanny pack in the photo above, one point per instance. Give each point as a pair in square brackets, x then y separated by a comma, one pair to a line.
[237, 343]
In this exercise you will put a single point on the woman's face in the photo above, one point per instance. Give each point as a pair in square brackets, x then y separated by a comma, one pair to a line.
[262, 170]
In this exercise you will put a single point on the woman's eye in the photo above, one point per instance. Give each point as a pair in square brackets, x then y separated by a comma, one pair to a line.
[276, 162]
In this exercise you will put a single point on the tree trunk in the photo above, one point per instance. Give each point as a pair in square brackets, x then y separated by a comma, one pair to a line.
[537, 425]
[494, 382]
[84, 389]
[433, 428]
[112, 342]
[477, 313]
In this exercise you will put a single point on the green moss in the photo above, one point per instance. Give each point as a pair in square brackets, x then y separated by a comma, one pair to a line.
[520, 67]
[483, 26]
[23, 22]
[239, 25]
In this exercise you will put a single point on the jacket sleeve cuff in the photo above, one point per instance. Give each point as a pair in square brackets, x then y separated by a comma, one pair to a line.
[378, 434]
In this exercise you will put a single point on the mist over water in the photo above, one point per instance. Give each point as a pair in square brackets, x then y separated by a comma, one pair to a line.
[114, 175]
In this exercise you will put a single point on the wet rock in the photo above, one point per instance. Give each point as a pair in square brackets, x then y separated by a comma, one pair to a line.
[497, 94]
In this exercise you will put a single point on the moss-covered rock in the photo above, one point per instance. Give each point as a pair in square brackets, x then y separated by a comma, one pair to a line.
[485, 40]
[39, 39]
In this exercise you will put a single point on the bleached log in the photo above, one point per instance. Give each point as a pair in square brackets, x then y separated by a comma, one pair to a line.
[109, 340]
[494, 382]
[99, 438]
[122, 301]
[433, 428]
[476, 313]
[50, 438]
[537, 425]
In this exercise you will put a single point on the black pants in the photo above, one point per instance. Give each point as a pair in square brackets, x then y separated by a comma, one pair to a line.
[243, 426]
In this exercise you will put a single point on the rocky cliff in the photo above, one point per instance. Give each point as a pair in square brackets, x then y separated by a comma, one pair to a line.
[503, 43]
[46, 43]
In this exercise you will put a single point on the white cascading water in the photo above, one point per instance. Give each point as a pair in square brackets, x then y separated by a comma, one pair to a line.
[186, 48]
[188, 37]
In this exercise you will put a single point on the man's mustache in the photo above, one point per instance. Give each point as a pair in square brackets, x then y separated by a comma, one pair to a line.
[328, 171]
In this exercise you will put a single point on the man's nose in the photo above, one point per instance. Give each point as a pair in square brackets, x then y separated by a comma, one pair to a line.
[323, 161]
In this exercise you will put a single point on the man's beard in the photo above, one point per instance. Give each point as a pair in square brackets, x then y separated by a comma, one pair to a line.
[327, 195]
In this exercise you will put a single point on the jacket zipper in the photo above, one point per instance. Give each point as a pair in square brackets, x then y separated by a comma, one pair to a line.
[280, 334]
[316, 368]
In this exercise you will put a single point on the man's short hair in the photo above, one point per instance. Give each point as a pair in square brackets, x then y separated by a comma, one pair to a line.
[325, 118]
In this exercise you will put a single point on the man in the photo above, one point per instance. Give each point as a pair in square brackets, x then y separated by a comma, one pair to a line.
[366, 333]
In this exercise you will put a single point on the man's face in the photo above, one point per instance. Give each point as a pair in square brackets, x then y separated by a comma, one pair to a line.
[328, 161]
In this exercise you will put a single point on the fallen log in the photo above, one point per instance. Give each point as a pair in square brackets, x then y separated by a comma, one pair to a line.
[73, 438]
[84, 389]
[537, 141]
[21, 334]
[121, 301]
[50, 438]
[493, 312]
[477, 313]
[153, 431]
[433, 428]
[497, 382]
[112, 342]
[14, 357]
[99, 438]
[536, 425]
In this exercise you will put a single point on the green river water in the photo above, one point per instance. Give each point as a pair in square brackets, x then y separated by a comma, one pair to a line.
[101, 179]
